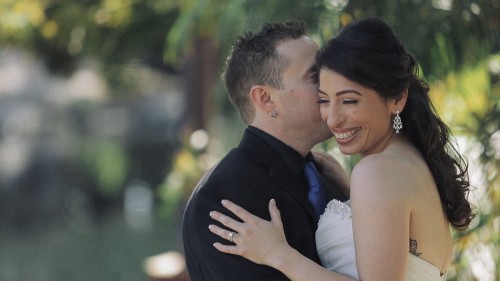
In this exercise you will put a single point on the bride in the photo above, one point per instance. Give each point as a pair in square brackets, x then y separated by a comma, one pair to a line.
[407, 189]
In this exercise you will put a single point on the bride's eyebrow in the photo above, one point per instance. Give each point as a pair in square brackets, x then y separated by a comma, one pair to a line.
[342, 92]
[347, 92]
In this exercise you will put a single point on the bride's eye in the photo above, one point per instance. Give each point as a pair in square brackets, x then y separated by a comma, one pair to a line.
[349, 101]
[321, 100]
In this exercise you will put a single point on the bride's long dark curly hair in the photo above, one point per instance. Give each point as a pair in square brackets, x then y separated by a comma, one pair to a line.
[369, 53]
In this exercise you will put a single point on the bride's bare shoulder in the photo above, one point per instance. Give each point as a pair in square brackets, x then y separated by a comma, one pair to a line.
[374, 165]
[381, 172]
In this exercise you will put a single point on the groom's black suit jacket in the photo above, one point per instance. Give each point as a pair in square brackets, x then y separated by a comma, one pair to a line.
[259, 169]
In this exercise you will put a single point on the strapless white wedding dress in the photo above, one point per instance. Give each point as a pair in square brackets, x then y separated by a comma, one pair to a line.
[335, 245]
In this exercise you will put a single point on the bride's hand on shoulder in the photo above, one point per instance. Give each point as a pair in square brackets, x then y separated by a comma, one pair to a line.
[258, 240]
[333, 171]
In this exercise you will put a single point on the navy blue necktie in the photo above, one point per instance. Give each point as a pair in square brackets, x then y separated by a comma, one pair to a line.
[316, 192]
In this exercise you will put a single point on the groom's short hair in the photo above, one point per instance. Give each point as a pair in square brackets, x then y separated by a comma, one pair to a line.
[254, 61]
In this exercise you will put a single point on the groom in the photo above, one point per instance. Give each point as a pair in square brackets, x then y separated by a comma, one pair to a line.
[272, 81]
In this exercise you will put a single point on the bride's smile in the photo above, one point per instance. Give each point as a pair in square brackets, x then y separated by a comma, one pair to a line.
[344, 137]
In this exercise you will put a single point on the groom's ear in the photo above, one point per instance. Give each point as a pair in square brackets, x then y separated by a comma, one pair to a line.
[261, 97]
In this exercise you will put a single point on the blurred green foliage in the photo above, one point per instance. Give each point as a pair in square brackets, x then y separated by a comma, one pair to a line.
[456, 43]
[106, 161]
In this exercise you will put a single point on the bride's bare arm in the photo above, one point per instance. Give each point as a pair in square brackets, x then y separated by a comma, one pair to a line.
[264, 242]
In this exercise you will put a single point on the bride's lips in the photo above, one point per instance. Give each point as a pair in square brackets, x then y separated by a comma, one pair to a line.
[343, 137]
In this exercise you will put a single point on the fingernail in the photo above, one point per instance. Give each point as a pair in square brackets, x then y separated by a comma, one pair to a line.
[211, 214]
[224, 201]
[211, 226]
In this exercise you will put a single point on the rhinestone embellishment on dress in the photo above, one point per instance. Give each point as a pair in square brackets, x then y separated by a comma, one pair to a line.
[338, 209]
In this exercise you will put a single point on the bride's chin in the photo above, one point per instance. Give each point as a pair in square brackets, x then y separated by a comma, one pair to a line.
[346, 151]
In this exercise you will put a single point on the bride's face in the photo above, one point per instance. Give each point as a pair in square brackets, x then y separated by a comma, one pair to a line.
[359, 117]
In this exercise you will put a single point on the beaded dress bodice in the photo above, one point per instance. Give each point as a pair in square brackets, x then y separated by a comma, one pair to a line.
[335, 245]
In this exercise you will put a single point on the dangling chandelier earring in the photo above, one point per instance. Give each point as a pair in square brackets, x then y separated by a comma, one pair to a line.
[273, 113]
[398, 125]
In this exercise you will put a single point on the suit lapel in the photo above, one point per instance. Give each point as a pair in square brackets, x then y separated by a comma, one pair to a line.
[281, 174]
[279, 171]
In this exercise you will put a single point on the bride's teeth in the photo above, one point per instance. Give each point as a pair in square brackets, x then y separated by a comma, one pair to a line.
[343, 136]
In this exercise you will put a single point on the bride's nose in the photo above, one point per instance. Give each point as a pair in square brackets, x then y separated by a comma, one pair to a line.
[334, 117]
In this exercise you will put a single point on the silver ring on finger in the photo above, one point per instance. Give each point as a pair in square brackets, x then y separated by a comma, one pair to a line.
[231, 234]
